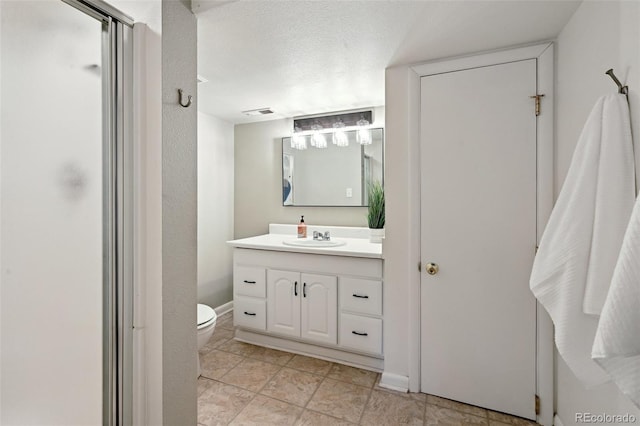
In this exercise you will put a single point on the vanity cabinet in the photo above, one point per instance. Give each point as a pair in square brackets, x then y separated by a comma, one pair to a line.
[302, 305]
[326, 306]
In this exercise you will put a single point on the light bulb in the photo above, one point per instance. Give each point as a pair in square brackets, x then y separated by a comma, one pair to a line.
[298, 141]
[363, 136]
[318, 140]
[339, 136]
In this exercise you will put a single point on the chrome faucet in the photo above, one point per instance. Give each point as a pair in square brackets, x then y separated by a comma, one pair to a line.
[319, 236]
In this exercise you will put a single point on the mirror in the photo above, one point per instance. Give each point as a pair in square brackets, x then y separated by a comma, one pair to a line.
[332, 176]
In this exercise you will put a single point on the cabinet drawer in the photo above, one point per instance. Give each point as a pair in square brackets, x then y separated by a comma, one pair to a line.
[361, 296]
[249, 281]
[361, 333]
[250, 313]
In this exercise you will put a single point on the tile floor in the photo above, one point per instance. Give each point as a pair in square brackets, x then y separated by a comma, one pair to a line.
[244, 384]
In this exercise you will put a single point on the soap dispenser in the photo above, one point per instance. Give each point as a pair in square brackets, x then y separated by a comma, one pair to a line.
[302, 228]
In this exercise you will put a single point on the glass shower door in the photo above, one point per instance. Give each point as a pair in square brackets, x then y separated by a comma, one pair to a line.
[59, 241]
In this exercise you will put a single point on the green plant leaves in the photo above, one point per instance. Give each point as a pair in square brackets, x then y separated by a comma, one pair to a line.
[375, 217]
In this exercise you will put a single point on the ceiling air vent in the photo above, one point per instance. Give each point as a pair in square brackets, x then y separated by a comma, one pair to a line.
[259, 111]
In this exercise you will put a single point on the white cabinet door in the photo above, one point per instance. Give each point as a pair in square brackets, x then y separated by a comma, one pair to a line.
[320, 308]
[283, 302]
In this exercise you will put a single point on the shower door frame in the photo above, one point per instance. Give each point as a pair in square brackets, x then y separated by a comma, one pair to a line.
[117, 167]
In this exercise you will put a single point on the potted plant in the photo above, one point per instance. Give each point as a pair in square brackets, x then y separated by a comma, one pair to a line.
[375, 217]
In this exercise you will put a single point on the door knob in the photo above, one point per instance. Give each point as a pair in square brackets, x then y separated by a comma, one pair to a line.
[432, 268]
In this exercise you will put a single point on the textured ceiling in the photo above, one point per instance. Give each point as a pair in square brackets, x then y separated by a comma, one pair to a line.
[308, 57]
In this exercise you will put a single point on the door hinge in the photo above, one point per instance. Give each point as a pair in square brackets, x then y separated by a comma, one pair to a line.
[537, 402]
[537, 247]
[537, 98]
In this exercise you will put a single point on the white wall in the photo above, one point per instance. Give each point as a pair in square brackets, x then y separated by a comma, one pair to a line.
[599, 36]
[215, 210]
[179, 215]
[401, 249]
[148, 296]
[258, 182]
[147, 382]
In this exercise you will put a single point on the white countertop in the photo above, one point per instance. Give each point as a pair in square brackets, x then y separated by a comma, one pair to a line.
[354, 247]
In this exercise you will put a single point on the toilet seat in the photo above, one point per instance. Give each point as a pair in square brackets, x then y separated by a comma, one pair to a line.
[206, 316]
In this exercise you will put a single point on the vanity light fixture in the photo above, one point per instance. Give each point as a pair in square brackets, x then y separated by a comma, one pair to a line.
[316, 127]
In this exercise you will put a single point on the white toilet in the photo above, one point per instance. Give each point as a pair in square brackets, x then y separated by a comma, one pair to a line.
[206, 324]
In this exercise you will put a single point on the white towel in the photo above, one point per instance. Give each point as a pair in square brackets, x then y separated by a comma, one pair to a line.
[614, 199]
[617, 344]
[581, 242]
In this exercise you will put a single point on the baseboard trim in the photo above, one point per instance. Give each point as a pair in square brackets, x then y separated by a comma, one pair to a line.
[394, 382]
[223, 309]
[557, 421]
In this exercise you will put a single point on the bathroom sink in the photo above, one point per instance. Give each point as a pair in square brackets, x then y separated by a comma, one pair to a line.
[303, 242]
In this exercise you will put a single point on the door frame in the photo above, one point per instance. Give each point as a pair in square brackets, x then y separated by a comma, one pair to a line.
[543, 53]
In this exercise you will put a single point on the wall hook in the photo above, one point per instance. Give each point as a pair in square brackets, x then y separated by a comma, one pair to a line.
[621, 89]
[185, 105]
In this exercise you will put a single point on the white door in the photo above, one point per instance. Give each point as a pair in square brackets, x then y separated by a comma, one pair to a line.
[320, 308]
[478, 224]
[283, 302]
